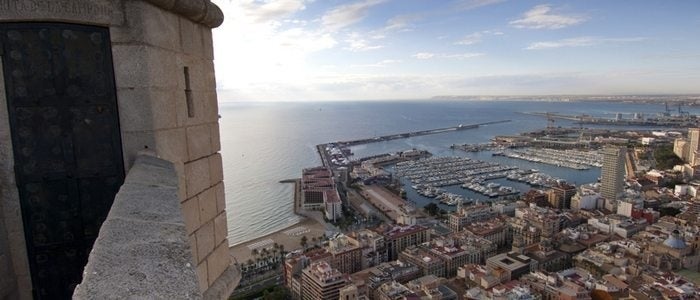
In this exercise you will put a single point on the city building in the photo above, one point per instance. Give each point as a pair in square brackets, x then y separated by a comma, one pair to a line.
[547, 220]
[318, 192]
[559, 196]
[612, 172]
[346, 254]
[373, 247]
[587, 198]
[680, 148]
[495, 230]
[469, 214]
[513, 264]
[693, 145]
[397, 238]
[428, 262]
[298, 261]
[321, 281]
[393, 291]
[571, 284]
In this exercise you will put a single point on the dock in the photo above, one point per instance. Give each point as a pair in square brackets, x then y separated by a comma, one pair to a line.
[327, 160]
[416, 133]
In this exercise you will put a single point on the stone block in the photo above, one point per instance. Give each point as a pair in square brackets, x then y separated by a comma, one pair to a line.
[205, 240]
[220, 228]
[207, 205]
[181, 181]
[218, 261]
[190, 212]
[216, 168]
[145, 66]
[203, 276]
[198, 141]
[207, 44]
[193, 247]
[197, 176]
[146, 109]
[171, 144]
[148, 24]
[220, 197]
[190, 37]
[135, 141]
[215, 137]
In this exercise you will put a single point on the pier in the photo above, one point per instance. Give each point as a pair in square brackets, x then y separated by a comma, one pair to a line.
[416, 133]
[329, 159]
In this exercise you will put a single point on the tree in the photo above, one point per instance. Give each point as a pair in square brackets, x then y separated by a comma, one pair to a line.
[432, 209]
[304, 241]
[254, 252]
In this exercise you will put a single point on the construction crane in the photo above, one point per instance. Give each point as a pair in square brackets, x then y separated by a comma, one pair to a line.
[681, 112]
[550, 121]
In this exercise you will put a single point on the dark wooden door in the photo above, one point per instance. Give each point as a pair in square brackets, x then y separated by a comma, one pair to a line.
[61, 99]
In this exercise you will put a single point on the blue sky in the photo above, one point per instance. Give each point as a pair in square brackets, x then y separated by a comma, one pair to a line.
[295, 50]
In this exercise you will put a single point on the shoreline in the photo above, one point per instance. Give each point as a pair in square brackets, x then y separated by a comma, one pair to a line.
[289, 236]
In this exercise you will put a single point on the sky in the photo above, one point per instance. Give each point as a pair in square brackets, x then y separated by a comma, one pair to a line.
[310, 50]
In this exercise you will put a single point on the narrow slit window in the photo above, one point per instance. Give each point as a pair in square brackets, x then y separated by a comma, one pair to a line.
[188, 93]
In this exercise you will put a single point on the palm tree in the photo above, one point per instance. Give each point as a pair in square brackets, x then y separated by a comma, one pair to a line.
[254, 252]
[303, 241]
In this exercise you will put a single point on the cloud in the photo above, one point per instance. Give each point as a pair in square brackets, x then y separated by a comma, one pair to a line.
[473, 4]
[541, 17]
[401, 22]
[271, 10]
[357, 44]
[477, 37]
[423, 55]
[429, 55]
[346, 15]
[380, 64]
[585, 41]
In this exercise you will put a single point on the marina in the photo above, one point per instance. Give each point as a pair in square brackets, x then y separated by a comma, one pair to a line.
[573, 159]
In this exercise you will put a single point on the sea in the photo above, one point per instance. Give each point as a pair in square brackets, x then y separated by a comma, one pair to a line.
[264, 143]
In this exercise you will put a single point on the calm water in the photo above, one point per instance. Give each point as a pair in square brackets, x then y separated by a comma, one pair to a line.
[263, 143]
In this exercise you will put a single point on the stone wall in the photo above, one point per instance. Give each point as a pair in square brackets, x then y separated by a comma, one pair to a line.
[143, 249]
[166, 91]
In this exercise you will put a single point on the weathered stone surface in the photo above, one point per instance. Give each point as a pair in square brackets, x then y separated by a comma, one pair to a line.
[190, 37]
[148, 24]
[225, 284]
[220, 228]
[197, 176]
[202, 275]
[198, 141]
[103, 12]
[205, 240]
[171, 144]
[215, 137]
[135, 141]
[218, 261]
[193, 246]
[216, 168]
[144, 66]
[142, 254]
[207, 205]
[146, 109]
[220, 197]
[190, 211]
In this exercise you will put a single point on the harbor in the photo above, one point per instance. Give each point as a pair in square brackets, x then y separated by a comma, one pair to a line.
[336, 154]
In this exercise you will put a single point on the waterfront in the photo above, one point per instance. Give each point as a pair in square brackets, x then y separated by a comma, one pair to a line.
[263, 143]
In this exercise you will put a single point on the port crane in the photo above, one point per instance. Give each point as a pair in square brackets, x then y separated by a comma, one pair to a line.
[550, 120]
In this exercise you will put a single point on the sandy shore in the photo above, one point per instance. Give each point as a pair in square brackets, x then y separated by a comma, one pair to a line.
[290, 237]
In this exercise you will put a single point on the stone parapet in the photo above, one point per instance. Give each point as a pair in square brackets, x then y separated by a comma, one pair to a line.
[143, 250]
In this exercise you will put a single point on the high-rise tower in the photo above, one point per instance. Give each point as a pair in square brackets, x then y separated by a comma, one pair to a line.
[694, 143]
[613, 172]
